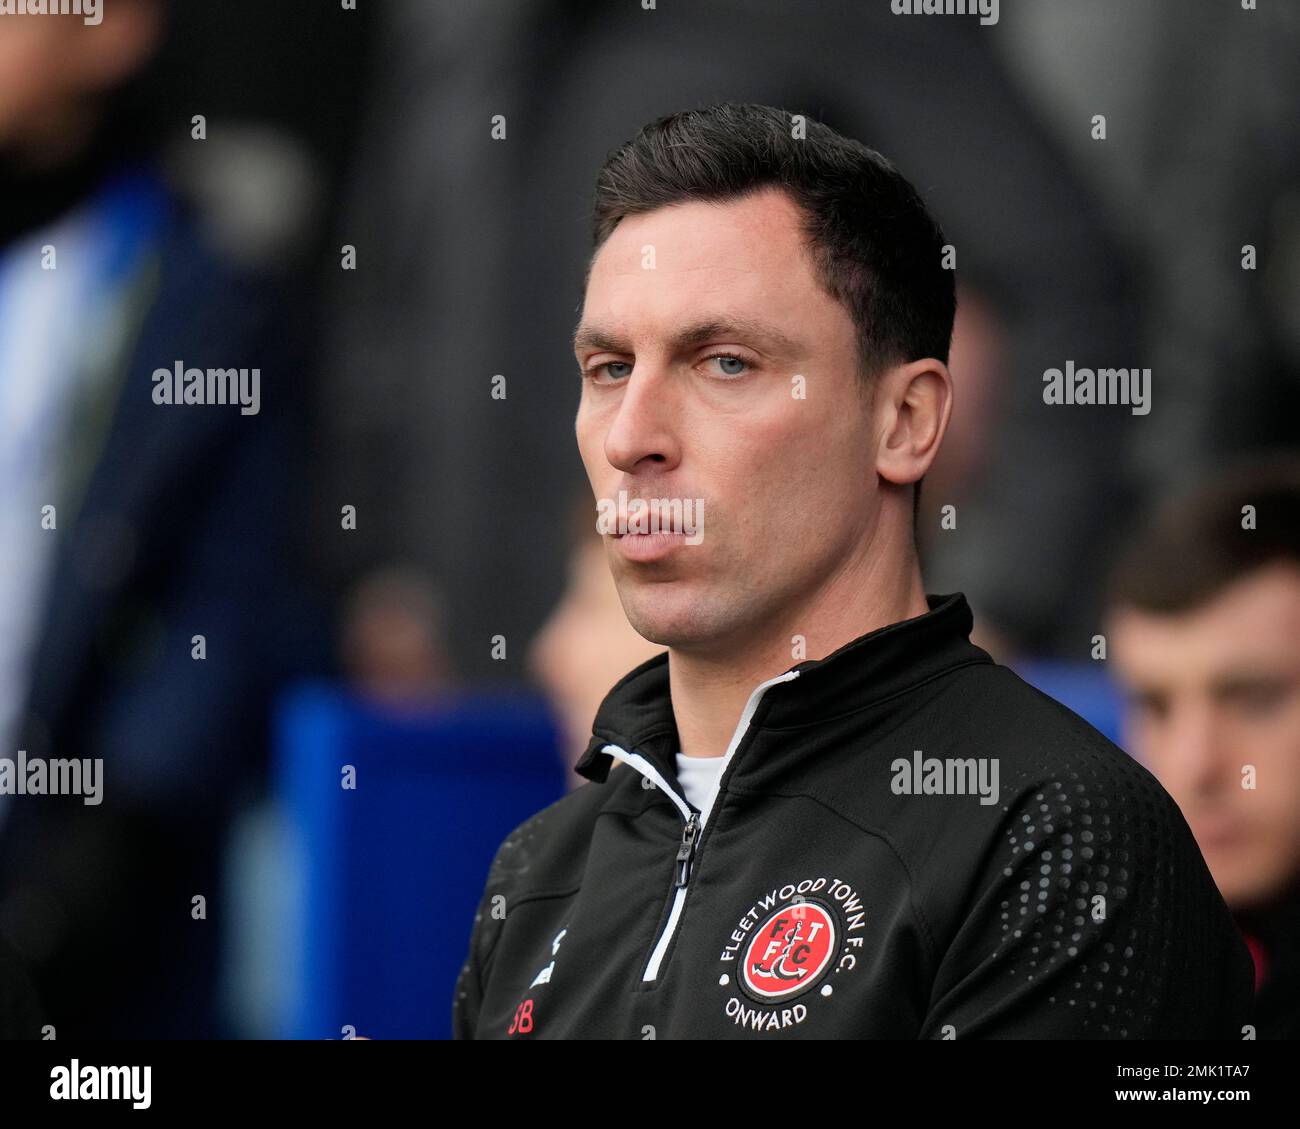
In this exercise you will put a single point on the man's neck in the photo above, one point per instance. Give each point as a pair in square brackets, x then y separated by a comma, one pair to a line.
[710, 691]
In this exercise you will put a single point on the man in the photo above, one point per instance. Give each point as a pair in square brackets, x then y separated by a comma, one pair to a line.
[1205, 631]
[839, 818]
[145, 615]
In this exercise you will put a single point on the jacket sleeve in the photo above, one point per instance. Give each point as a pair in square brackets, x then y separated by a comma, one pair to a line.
[1093, 916]
[471, 982]
[469, 987]
[510, 860]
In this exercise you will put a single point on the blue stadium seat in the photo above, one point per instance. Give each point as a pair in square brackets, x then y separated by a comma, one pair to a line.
[386, 877]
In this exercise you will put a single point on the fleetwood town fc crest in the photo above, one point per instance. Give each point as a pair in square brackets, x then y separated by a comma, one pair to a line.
[790, 951]
[789, 948]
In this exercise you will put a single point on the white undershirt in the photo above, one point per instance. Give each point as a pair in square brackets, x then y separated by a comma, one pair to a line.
[699, 778]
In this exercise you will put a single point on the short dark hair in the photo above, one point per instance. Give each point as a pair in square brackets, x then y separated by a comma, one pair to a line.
[1196, 546]
[875, 247]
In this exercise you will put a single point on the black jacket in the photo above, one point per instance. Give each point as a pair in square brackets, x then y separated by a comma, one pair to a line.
[835, 893]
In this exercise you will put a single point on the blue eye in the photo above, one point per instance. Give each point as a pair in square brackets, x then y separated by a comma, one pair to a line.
[595, 370]
[724, 358]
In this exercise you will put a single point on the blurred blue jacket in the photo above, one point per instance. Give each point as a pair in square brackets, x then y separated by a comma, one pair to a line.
[186, 525]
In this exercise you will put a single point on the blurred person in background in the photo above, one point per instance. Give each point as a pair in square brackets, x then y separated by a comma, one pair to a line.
[145, 617]
[393, 650]
[1204, 628]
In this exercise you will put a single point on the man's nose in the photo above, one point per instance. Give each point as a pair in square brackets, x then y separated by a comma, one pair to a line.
[1200, 744]
[645, 425]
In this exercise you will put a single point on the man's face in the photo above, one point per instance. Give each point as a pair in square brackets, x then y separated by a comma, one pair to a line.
[30, 75]
[55, 72]
[773, 435]
[1213, 691]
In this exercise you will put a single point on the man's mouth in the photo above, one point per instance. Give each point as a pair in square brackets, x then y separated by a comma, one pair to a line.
[1217, 831]
[648, 546]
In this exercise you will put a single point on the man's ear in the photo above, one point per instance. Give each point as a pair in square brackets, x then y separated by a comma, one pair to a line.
[913, 403]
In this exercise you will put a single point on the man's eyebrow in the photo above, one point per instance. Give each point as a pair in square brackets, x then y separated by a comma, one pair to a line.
[697, 333]
[1250, 678]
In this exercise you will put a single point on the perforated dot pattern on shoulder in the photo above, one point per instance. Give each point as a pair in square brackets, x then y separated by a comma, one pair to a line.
[1097, 904]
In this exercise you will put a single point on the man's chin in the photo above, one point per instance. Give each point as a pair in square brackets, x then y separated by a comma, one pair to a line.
[1244, 886]
[702, 632]
[691, 614]
[680, 625]
[664, 634]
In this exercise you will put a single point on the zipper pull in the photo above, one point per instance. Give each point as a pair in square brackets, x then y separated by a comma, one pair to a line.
[687, 850]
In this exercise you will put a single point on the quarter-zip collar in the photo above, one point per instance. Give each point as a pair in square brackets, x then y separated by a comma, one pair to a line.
[637, 714]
